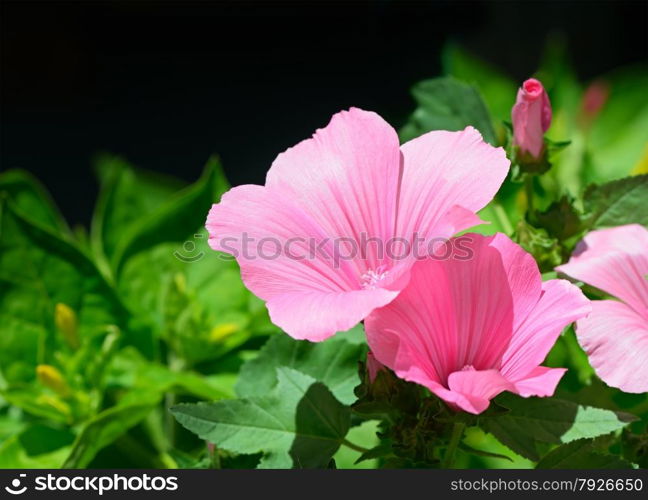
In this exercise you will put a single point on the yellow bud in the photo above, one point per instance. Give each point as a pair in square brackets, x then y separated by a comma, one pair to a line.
[51, 378]
[222, 331]
[66, 322]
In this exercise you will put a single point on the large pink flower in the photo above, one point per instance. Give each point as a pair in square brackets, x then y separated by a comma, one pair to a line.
[308, 242]
[468, 328]
[615, 334]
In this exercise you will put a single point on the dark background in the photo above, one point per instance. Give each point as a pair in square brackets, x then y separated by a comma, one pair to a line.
[166, 84]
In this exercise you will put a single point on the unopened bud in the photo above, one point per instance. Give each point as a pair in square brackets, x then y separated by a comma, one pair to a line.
[66, 323]
[52, 378]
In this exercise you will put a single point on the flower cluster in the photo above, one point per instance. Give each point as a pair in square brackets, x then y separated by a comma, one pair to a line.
[465, 328]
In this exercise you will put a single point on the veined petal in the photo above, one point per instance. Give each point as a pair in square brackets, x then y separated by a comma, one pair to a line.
[614, 260]
[615, 338]
[456, 312]
[560, 304]
[440, 170]
[346, 177]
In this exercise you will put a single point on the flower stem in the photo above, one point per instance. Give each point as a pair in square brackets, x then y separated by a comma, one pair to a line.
[353, 446]
[455, 439]
[528, 186]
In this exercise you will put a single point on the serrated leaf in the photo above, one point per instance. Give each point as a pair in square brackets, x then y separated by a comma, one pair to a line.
[581, 454]
[547, 420]
[299, 424]
[447, 104]
[617, 203]
[334, 363]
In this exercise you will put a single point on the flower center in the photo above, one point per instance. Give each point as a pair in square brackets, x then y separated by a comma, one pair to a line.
[372, 277]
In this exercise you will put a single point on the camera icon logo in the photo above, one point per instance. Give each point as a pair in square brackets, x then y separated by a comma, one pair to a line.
[190, 252]
[15, 488]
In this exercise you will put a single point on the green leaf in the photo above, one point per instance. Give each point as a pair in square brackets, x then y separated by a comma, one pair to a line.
[617, 203]
[14, 456]
[32, 200]
[334, 363]
[581, 454]
[176, 220]
[38, 269]
[447, 104]
[497, 89]
[528, 422]
[104, 429]
[127, 195]
[299, 424]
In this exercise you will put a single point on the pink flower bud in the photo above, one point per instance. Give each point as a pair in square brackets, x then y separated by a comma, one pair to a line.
[531, 117]
[373, 367]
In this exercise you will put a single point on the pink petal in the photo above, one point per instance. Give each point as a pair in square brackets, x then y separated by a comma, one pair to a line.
[456, 313]
[334, 189]
[346, 177]
[541, 381]
[560, 304]
[616, 261]
[316, 315]
[443, 169]
[474, 389]
[615, 337]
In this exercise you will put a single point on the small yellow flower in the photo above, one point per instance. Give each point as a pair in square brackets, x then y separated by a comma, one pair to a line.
[52, 378]
[67, 324]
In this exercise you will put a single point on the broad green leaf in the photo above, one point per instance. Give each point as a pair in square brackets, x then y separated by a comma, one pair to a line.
[334, 363]
[497, 89]
[298, 424]
[38, 269]
[105, 428]
[547, 420]
[14, 456]
[127, 195]
[32, 200]
[617, 203]
[174, 221]
[447, 104]
[581, 454]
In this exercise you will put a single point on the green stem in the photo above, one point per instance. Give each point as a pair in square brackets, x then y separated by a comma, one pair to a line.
[502, 218]
[455, 439]
[528, 187]
[353, 446]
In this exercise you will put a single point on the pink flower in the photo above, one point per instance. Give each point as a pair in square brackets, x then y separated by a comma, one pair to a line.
[615, 334]
[470, 328]
[373, 366]
[531, 117]
[321, 226]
